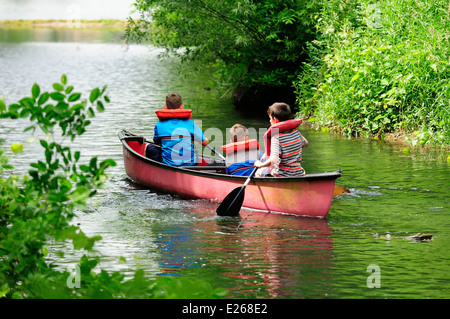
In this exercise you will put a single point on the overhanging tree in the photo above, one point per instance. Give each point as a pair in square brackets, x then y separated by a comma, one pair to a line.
[251, 43]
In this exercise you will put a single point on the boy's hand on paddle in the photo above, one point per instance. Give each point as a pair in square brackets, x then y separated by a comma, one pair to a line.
[258, 164]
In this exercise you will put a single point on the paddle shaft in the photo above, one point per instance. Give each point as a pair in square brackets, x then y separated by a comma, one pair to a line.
[217, 153]
[244, 186]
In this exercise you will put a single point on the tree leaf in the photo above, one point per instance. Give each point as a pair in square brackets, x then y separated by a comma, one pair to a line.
[61, 107]
[57, 96]
[100, 106]
[2, 106]
[58, 87]
[69, 89]
[94, 95]
[43, 98]
[35, 90]
[17, 148]
[74, 97]
[90, 112]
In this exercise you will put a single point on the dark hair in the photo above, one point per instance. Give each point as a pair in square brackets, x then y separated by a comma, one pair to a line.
[280, 111]
[174, 101]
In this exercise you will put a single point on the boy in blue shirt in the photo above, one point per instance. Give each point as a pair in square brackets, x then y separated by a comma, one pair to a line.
[176, 133]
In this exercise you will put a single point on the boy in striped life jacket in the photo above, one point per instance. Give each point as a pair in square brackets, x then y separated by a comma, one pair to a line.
[283, 144]
[241, 153]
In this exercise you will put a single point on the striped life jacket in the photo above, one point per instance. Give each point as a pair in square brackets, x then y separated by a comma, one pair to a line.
[279, 128]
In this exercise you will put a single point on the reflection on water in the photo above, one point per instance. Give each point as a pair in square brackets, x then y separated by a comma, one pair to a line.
[269, 255]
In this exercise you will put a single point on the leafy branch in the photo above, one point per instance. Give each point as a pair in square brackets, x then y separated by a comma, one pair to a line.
[39, 207]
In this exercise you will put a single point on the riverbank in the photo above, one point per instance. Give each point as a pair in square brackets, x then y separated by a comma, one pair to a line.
[376, 73]
[406, 142]
[64, 24]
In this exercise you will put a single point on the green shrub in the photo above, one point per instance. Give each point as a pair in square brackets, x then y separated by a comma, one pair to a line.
[379, 68]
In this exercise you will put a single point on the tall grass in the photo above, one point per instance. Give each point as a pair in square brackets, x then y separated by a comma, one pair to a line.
[380, 67]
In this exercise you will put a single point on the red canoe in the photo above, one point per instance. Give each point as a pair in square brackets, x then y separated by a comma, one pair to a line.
[309, 196]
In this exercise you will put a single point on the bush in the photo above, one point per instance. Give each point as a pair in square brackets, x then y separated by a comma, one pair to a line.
[378, 68]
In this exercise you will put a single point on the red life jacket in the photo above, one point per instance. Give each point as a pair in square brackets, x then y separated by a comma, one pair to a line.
[278, 128]
[239, 146]
[180, 113]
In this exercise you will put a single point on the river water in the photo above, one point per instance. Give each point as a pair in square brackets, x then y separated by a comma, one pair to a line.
[346, 255]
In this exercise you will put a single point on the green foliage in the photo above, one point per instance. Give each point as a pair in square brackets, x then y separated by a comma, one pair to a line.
[381, 67]
[38, 207]
[41, 205]
[249, 42]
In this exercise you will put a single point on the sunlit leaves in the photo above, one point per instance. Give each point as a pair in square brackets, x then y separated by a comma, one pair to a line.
[17, 148]
[94, 95]
[100, 107]
[56, 96]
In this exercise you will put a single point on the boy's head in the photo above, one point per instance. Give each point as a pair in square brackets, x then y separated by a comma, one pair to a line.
[280, 111]
[174, 101]
[238, 133]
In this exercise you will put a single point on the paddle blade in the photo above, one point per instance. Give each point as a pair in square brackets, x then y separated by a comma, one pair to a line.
[231, 205]
[338, 190]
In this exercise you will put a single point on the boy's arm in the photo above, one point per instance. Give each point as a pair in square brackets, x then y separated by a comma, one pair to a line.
[271, 161]
[305, 141]
[199, 136]
[274, 156]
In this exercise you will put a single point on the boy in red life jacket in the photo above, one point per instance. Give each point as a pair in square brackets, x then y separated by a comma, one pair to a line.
[283, 144]
[176, 132]
[241, 153]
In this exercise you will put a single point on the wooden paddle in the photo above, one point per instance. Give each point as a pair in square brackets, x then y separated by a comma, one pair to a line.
[232, 203]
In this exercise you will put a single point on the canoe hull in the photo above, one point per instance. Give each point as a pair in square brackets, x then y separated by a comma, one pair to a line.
[305, 196]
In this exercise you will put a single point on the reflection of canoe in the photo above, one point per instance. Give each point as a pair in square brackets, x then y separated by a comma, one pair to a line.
[310, 195]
